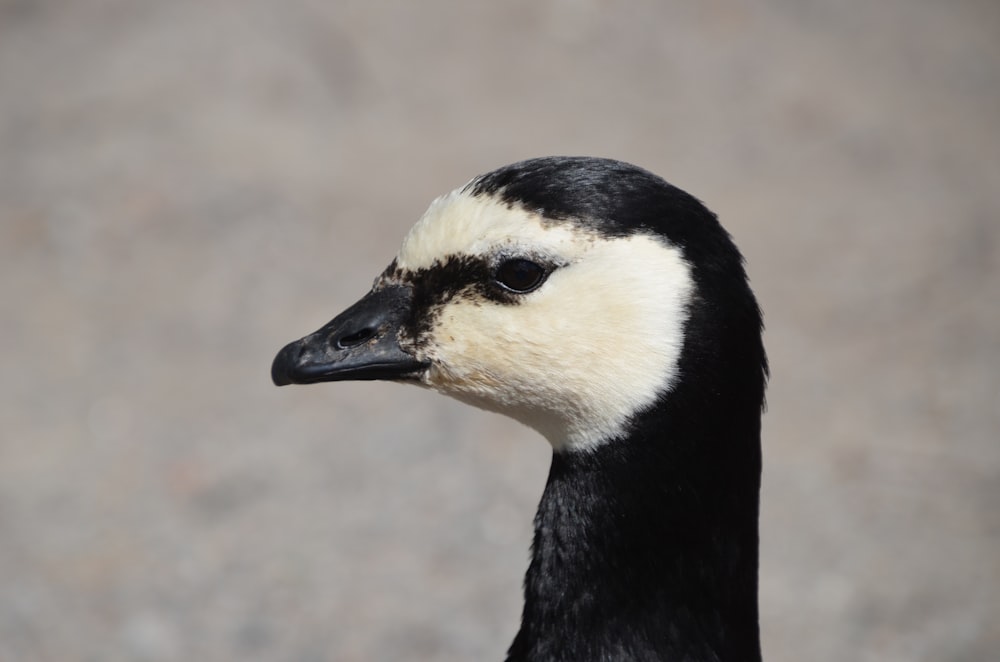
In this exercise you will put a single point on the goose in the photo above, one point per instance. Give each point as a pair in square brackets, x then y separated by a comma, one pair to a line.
[610, 311]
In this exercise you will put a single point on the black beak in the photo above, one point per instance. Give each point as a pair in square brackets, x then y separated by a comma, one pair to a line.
[360, 343]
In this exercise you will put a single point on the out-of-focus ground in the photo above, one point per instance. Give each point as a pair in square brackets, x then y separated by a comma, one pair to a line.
[185, 186]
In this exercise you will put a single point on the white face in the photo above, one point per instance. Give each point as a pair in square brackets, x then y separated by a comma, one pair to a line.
[575, 358]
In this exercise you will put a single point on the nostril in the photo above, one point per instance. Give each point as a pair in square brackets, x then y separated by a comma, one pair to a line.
[356, 338]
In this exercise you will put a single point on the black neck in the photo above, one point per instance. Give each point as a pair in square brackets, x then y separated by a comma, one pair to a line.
[646, 548]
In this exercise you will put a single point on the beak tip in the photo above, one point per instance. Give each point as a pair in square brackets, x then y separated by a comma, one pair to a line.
[280, 367]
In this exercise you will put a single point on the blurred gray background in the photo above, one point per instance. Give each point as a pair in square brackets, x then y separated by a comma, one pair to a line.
[186, 186]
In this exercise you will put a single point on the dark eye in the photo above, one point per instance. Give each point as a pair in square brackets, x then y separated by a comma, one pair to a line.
[519, 275]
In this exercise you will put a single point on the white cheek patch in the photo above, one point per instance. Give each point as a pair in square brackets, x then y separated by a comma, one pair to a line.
[597, 343]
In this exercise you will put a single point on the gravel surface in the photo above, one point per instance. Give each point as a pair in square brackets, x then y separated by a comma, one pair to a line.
[185, 186]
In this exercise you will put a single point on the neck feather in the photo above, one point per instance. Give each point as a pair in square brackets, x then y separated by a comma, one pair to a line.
[646, 547]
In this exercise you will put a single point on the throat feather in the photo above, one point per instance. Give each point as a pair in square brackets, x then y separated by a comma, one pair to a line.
[635, 559]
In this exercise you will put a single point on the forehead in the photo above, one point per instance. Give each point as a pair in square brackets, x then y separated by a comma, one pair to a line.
[460, 223]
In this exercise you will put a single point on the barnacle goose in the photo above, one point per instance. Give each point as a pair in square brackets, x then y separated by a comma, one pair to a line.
[610, 311]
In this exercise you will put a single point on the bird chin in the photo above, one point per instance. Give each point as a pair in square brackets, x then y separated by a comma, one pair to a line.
[550, 425]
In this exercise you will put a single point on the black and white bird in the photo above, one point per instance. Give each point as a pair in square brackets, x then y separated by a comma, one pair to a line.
[594, 302]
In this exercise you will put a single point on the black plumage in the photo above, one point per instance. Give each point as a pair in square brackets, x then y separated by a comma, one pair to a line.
[645, 545]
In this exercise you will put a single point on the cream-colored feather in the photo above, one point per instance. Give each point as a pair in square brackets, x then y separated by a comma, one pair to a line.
[598, 342]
